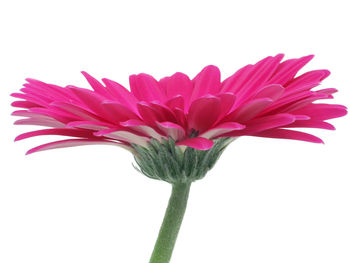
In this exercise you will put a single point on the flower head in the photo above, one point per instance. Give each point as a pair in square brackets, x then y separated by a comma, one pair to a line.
[265, 99]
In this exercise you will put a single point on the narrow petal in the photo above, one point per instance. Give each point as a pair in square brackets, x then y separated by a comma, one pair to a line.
[146, 88]
[203, 113]
[24, 104]
[142, 127]
[273, 91]
[172, 130]
[198, 143]
[121, 94]
[249, 110]
[311, 124]
[227, 101]
[222, 129]
[96, 85]
[259, 76]
[40, 122]
[70, 143]
[288, 69]
[322, 111]
[118, 111]
[89, 125]
[206, 82]
[176, 102]
[125, 136]
[289, 134]
[262, 124]
[63, 132]
[178, 84]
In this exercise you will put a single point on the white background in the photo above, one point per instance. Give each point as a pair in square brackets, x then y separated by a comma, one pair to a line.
[266, 200]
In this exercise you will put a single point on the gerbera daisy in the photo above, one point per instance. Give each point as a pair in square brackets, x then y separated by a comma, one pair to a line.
[177, 127]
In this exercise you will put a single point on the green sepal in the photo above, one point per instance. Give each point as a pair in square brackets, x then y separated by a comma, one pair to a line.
[163, 160]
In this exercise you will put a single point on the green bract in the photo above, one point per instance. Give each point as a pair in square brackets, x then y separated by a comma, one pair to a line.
[176, 164]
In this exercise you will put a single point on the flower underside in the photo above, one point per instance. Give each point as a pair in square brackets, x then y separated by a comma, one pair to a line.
[167, 162]
[266, 99]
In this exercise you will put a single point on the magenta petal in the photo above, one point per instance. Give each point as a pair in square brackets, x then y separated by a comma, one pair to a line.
[249, 110]
[203, 113]
[198, 143]
[178, 84]
[89, 125]
[70, 143]
[322, 111]
[263, 123]
[118, 111]
[40, 122]
[63, 132]
[289, 134]
[121, 94]
[24, 104]
[206, 82]
[227, 100]
[176, 102]
[273, 91]
[142, 127]
[96, 85]
[123, 135]
[288, 69]
[260, 74]
[172, 130]
[146, 88]
[311, 124]
[222, 129]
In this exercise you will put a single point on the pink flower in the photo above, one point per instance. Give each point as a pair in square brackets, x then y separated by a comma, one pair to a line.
[265, 99]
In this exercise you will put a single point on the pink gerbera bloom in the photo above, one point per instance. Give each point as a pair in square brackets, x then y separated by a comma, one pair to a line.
[265, 99]
[177, 127]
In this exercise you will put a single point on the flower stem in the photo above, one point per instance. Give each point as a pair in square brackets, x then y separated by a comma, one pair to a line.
[171, 223]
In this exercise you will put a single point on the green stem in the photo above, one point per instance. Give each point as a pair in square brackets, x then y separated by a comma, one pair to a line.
[171, 224]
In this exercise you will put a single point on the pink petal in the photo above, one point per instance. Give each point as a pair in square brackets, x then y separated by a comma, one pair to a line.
[141, 127]
[118, 111]
[125, 136]
[177, 84]
[203, 113]
[176, 102]
[249, 110]
[91, 100]
[227, 100]
[40, 122]
[76, 110]
[147, 113]
[311, 124]
[206, 82]
[163, 112]
[288, 69]
[26, 113]
[197, 143]
[63, 132]
[96, 85]
[306, 81]
[146, 88]
[71, 143]
[322, 111]
[222, 129]
[121, 94]
[89, 125]
[272, 91]
[172, 130]
[24, 104]
[260, 74]
[263, 123]
[236, 81]
[289, 134]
